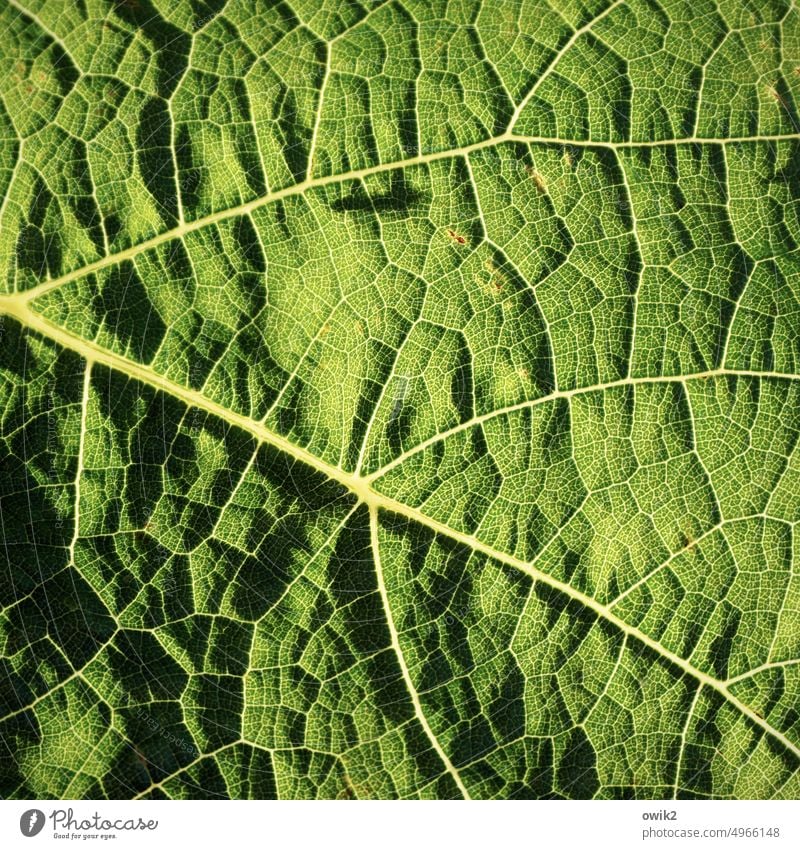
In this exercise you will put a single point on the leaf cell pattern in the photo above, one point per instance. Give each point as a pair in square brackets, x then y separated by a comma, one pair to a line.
[399, 399]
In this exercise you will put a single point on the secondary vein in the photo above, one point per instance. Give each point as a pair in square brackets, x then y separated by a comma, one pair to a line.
[363, 490]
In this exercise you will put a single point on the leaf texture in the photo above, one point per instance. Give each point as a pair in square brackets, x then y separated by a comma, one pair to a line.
[399, 399]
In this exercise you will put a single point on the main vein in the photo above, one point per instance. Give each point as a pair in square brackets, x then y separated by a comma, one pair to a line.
[363, 488]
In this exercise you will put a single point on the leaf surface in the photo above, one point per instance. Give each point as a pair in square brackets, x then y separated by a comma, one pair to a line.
[399, 399]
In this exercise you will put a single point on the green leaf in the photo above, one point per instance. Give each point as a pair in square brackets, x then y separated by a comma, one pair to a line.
[400, 399]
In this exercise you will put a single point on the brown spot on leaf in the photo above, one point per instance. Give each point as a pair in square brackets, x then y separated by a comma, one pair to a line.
[537, 178]
[352, 790]
[142, 760]
[496, 277]
[773, 92]
[687, 537]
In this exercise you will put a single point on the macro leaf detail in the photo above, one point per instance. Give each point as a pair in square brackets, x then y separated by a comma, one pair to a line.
[399, 399]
